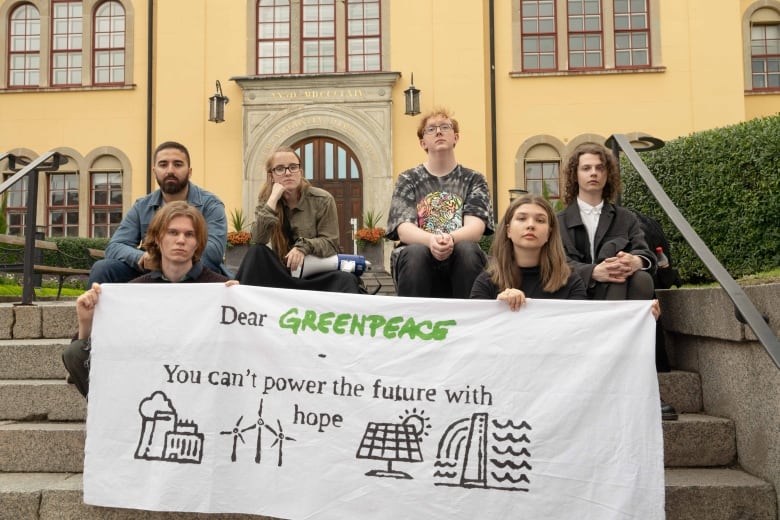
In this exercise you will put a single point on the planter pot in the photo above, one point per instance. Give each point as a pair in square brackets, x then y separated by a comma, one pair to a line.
[234, 255]
[374, 253]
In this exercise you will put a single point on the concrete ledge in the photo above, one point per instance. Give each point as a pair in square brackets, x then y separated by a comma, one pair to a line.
[41, 400]
[709, 312]
[42, 447]
[699, 440]
[718, 494]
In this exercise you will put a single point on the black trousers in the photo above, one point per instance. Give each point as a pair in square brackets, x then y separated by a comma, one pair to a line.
[261, 267]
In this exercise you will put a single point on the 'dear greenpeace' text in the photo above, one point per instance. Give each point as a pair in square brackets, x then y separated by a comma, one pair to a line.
[371, 325]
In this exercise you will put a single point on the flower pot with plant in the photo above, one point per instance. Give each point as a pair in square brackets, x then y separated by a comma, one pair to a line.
[238, 240]
[370, 240]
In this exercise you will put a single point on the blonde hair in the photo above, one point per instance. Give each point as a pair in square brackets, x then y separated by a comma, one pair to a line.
[279, 241]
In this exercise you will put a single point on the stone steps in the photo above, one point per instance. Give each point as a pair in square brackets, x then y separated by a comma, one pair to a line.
[691, 494]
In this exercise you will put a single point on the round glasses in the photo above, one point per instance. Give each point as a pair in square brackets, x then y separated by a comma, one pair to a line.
[280, 169]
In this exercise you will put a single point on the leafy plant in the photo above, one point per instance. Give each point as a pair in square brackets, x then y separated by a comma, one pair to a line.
[238, 220]
[238, 237]
[370, 233]
[726, 183]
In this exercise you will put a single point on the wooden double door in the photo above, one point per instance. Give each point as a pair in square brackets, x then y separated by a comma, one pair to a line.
[329, 164]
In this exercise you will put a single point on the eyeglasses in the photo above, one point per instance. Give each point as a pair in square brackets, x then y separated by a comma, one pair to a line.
[280, 169]
[444, 127]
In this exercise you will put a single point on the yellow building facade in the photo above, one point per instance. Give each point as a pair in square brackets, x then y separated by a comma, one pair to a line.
[105, 81]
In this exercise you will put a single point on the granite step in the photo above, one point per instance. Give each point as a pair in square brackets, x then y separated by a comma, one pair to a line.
[691, 494]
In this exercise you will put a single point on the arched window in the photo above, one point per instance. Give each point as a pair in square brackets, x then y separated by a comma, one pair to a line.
[24, 52]
[765, 49]
[109, 49]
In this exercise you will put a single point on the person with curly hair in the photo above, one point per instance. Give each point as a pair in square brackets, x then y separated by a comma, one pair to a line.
[604, 242]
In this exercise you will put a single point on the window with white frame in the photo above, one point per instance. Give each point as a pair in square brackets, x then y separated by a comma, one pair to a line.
[24, 51]
[63, 204]
[765, 50]
[66, 48]
[543, 178]
[109, 27]
[105, 203]
[632, 33]
[319, 36]
[15, 206]
[585, 35]
[75, 43]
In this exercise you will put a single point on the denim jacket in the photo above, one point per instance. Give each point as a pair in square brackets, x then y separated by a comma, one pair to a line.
[132, 230]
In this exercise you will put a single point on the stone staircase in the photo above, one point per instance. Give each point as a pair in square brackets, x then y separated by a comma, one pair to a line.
[42, 435]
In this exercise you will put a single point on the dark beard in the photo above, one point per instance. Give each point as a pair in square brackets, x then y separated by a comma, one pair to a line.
[172, 186]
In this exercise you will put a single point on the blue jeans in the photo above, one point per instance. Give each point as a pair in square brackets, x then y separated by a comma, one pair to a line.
[112, 271]
[417, 273]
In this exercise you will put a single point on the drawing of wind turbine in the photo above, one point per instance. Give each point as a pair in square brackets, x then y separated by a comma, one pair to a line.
[280, 438]
[236, 432]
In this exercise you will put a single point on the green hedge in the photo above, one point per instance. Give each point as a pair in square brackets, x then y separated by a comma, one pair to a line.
[74, 251]
[726, 183]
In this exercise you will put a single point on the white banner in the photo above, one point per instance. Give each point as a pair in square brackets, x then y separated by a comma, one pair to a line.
[299, 405]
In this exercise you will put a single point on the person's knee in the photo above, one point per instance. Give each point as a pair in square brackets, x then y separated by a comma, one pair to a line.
[109, 270]
[469, 253]
[75, 357]
[640, 286]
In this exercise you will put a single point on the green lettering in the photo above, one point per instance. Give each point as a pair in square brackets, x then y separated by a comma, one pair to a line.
[440, 329]
[325, 322]
[288, 321]
[392, 327]
[341, 322]
[309, 320]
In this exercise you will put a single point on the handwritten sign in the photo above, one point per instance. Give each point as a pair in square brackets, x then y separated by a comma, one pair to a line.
[297, 404]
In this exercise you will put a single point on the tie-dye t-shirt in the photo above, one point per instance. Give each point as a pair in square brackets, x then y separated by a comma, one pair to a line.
[438, 204]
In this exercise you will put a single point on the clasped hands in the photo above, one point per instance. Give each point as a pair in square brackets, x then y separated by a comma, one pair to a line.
[618, 268]
[441, 246]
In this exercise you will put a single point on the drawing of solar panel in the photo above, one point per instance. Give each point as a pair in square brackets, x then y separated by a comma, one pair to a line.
[392, 443]
[471, 456]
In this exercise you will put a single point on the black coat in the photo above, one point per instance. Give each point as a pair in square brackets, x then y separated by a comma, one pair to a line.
[618, 230]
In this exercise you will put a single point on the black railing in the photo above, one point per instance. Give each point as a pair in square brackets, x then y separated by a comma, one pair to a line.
[745, 310]
[49, 161]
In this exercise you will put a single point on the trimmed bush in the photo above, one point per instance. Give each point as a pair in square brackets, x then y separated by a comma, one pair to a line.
[726, 183]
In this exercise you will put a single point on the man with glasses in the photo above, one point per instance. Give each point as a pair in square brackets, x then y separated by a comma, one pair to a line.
[439, 212]
[171, 167]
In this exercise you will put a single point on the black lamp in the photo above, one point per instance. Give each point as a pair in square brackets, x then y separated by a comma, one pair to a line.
[217, 104]
[412, 98]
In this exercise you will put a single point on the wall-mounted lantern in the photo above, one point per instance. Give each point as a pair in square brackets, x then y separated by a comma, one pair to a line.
[412, 99]
[217, 104]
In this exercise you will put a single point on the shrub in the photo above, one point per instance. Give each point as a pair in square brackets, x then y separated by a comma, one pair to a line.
[726, 183]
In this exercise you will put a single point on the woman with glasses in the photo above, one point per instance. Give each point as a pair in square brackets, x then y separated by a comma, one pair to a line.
[293, 219]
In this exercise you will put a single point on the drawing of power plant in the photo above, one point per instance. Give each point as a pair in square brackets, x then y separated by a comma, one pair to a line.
[163, 436]
[475, 452]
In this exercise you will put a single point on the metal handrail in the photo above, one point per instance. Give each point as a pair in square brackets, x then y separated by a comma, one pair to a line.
[28, 291]
[744, 306]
